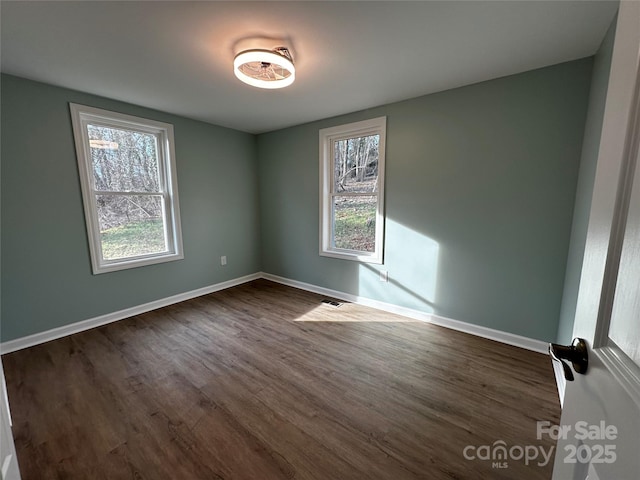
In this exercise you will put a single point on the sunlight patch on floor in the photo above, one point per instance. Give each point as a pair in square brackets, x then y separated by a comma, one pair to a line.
[350, 312]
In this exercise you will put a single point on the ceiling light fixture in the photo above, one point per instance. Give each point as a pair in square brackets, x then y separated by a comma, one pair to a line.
[265, 68]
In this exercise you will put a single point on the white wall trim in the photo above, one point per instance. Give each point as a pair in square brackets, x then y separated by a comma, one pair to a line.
[480, 331]
[327, 139]
[485, 332]
[59, 332]
[561, 382]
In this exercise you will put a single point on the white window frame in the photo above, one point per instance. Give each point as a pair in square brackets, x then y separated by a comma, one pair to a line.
[328, 137]
[81, 116]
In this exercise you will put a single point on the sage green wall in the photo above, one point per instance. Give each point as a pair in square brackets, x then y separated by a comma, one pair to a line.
[586, 179]
[480, 188]
[46, 270]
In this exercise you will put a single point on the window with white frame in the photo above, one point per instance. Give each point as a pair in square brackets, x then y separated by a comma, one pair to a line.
[352, 190]
[129, 188]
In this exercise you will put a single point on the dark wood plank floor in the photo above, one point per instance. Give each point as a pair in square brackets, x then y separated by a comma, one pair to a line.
[264, 381]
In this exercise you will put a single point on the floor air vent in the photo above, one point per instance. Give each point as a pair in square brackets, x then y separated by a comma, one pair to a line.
[333, 303]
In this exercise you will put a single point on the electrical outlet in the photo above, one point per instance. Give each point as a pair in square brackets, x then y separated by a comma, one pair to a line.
[384, 276]
[223, 260]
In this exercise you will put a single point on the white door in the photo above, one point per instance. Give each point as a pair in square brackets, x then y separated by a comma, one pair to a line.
[8, 460]
[599, 435]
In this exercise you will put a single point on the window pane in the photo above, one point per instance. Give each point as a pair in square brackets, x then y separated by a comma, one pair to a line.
[356, 164]
[354, 222]
[123, 160]
[131, 225]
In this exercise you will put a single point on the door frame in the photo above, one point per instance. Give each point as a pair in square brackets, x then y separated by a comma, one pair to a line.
[612, 188]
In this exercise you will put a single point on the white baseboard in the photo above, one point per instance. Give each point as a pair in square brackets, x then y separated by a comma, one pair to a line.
[485, 332]
[59, 332]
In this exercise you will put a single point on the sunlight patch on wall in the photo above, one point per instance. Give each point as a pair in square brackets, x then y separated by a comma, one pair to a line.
[411, 262]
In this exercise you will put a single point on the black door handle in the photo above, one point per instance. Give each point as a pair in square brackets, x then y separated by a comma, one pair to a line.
[576, 353]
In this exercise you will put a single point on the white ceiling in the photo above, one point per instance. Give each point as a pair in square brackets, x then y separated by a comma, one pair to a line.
[177, 56]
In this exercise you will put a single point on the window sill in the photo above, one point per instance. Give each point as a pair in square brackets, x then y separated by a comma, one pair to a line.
[116, 265]
[353, 256]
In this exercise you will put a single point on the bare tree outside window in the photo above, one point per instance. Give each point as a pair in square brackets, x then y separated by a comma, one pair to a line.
[355, 172]
[127, 161]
